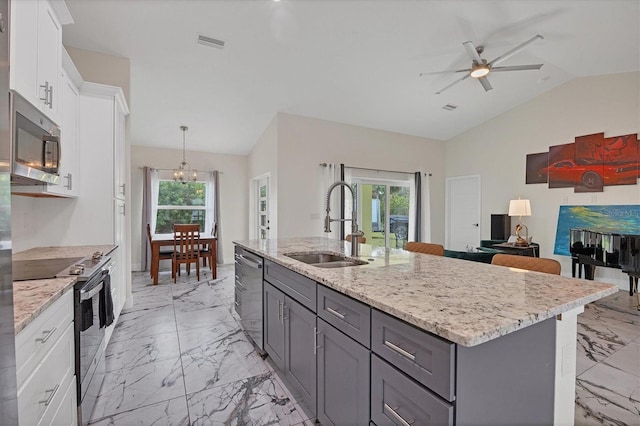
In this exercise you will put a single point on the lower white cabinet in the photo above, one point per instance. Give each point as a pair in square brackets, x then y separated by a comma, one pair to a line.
[45, 358]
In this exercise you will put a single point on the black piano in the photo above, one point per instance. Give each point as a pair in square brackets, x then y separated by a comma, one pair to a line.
[591, 248]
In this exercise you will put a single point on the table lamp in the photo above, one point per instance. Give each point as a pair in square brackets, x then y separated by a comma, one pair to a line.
[520, 208]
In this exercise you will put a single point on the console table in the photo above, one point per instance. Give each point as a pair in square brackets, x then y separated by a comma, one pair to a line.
[530, 250]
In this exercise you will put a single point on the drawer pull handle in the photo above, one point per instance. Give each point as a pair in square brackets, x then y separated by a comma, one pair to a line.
[48, 333]
[399, 350]
[52, 393]
[237, 303]
[398, 417]
[335, 313]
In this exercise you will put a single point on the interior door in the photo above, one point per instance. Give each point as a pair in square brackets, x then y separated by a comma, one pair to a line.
[463, 213]
[262, 204]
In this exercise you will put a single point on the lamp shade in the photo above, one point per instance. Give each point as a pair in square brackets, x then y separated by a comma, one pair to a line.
[519, 208]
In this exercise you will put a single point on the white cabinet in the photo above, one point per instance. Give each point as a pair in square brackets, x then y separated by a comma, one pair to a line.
[103, 198]
[35, 55]
[45, 358]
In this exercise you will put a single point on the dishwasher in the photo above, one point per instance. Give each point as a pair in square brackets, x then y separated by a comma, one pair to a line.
[248, 294]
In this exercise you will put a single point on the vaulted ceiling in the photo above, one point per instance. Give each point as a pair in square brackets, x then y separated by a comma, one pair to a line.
[351, 61]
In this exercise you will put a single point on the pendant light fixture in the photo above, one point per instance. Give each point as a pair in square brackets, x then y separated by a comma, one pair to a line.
[184, 173]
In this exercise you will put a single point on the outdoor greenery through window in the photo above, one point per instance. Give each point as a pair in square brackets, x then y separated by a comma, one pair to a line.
[180, 203]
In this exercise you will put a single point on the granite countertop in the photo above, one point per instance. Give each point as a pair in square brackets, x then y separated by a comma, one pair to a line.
[32, 297]
[459, 300]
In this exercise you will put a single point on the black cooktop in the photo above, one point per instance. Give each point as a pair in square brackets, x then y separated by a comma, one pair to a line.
[40, 269]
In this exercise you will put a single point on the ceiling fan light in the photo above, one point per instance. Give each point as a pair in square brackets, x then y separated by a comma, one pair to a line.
[479, 71]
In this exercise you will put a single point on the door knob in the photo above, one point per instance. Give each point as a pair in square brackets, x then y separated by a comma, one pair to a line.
[476, 224]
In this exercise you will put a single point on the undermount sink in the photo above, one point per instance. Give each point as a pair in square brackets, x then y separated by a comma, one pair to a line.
[325, 260]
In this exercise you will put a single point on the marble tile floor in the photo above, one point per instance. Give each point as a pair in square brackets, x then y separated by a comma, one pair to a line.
[608, 362]
[179, 357]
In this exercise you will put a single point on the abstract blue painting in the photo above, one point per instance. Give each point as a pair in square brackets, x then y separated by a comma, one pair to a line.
[624, 219]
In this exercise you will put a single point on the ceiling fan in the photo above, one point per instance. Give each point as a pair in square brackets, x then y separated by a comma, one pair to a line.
[480, 68]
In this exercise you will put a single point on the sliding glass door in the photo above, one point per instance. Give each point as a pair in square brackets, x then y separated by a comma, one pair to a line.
[384, 211]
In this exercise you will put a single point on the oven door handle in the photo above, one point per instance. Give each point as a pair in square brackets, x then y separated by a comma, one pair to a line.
[88, 294]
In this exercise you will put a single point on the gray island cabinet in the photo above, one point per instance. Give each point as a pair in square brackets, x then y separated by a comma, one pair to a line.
[411, 339]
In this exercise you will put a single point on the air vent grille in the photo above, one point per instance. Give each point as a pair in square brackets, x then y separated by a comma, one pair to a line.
[449, 107]
[210, 41]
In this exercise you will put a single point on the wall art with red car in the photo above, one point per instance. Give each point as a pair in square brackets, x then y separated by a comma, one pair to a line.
[589, 164]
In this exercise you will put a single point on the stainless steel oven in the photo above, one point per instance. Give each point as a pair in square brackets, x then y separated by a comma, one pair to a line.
[89, 326]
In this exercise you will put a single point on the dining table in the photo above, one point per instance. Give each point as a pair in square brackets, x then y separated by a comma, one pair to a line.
[166, 240]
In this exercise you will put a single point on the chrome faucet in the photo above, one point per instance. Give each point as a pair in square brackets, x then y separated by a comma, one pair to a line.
[355, 233]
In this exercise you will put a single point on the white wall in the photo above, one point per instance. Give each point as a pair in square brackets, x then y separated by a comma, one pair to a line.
[263, 160]
[304, 143]
[233, 192]
[497, 151]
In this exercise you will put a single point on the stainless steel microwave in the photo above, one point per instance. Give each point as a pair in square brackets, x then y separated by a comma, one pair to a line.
[35, 147]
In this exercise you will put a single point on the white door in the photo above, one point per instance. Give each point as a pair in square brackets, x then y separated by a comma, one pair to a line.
[262, 204]
[463, 213]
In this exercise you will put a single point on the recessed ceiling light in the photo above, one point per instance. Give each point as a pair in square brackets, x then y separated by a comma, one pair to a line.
[210, 41]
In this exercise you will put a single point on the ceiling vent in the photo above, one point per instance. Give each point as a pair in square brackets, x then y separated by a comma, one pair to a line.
[449, 107]
[210, 41]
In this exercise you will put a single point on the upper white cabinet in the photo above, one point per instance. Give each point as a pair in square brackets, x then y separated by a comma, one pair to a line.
[69, 112]
[35, 55]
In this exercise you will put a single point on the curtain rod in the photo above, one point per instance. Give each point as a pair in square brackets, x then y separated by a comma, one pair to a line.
[172, 170]
[375, 170]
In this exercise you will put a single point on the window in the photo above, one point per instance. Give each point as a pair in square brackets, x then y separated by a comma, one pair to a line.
[175, 202]
[180, 203]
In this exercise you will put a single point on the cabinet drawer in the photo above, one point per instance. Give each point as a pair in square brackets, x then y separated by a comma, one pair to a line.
[45, 388]
[33, 343]
[294, 285]
[65, 411]
[398, 400]
[428, 359]
[237, 301]
[351, 317]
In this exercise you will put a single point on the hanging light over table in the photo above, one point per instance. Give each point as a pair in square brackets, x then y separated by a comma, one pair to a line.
[184, 173]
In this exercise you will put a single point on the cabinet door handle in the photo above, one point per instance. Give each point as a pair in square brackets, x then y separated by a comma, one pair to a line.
[335, 313]
[45, 86]
[316, 333]
[284, 318]
[48, 333]
[399, 350]
[50, 96]
[280, 311]
[69, 184]
[122, 210]
[52, 393]
[122, 192]
[397, 416]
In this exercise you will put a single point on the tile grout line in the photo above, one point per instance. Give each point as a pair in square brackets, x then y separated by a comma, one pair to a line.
[184, 382]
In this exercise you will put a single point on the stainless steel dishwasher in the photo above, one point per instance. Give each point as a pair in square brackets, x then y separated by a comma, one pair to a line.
[248, 294]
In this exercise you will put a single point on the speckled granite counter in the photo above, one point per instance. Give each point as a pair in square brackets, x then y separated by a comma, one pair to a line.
[462, 301]
[32, 297]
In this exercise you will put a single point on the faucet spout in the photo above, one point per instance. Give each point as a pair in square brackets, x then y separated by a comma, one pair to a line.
[354, 216]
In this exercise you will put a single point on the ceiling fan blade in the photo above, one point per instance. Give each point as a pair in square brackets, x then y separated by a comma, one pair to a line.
[472, 52]
[455, 82]
[422, 74]
[485, 83]
[518, 68]
[515, 50]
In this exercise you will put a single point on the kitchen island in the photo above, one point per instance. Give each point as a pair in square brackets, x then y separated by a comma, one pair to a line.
[505, 338]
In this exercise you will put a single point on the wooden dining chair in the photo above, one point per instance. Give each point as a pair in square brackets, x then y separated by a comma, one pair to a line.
[209, 251]
[539, 264]
[166, 253]
[361, 239]
[186, 248]
[425, 248]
